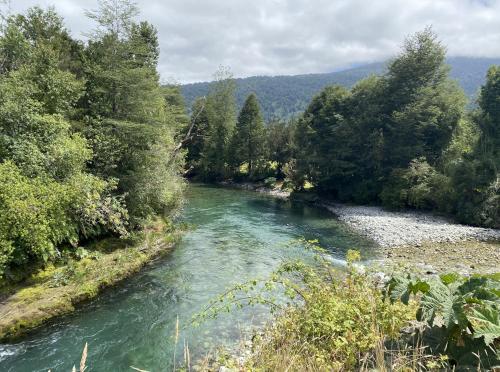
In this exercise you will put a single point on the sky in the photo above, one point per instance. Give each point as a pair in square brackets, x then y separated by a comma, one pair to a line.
[288, 37]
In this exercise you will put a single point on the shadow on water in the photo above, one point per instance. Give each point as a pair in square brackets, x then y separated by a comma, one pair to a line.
[236, 235]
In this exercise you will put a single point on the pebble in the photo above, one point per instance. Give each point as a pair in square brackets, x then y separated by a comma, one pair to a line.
[390, 229]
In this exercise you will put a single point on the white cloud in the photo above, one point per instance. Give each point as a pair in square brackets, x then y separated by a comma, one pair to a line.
[270, 37]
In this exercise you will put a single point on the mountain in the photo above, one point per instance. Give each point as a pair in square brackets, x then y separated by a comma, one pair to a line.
[284, 96]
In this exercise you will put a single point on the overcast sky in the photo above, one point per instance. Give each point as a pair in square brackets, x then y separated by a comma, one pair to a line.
[283, 37]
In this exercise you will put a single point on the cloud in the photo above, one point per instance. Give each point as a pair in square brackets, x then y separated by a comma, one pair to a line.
[276, 37]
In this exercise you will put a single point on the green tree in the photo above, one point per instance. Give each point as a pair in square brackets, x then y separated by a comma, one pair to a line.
[196, 137]
[133, 120]
[324, 136]
[421, 106]
[279, 143]
[476, 176]
[249, 138]
[221, 111]
[80, 158]
[44, 28]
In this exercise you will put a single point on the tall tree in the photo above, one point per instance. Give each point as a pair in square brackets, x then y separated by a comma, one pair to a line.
[122, 81]
[114, 17]
[249, 138]
[196, 137]
[422, 105]
[133, 120]
[48, 197]
[221, 111]
[476, 177]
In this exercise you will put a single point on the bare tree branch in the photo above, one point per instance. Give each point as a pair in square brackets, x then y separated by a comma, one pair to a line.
[188, 135]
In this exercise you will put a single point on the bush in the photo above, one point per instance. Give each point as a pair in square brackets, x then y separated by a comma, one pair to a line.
[340, 323]
[270, 182]
[419, 186]
[32, 218]
[477, 185]
[333, 320]
[38, 214]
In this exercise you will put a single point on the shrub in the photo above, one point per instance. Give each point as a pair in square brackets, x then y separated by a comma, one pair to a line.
[332, 321]
[38, 214]
[419, 186]
[270, 182]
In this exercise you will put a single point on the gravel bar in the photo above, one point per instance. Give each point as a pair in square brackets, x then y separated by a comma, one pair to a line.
[390, 229]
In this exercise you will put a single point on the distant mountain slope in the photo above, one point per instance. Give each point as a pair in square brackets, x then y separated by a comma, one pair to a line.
[284, 96]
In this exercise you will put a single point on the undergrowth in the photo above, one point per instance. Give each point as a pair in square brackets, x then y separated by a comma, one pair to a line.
[343, 320]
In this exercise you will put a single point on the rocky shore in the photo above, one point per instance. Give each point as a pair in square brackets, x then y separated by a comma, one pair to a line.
[392, 229]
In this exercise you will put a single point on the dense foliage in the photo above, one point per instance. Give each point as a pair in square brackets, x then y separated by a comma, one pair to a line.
[86, 133]
[287, 96]
[405, 139]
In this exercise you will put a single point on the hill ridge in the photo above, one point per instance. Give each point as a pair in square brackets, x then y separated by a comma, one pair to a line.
[288, 95]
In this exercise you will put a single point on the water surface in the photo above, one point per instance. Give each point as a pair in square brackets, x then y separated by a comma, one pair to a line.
[236, 235]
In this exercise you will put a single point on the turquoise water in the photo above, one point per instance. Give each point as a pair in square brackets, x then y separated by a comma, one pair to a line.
[236, 235]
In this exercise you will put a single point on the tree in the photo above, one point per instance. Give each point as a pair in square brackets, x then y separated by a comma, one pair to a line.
[47, 195]
[279, 143]
[249, 141]
[476, 176]
[422, 106]
[324, 136]
[114, 17]
[221, 111]
[80, 158]
[122, 56]
[44, 28]
[133, 120]
[196, 140]
[14, 48]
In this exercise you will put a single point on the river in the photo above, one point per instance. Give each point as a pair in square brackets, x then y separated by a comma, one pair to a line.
[236, 235]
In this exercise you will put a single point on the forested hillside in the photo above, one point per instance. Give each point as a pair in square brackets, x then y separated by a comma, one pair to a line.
[284, 96]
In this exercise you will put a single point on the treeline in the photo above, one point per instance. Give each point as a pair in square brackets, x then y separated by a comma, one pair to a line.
[288, 96]
[87, 134]
[403, 139]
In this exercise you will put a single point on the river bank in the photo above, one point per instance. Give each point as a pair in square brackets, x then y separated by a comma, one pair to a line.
[57, 290]
[423, 241]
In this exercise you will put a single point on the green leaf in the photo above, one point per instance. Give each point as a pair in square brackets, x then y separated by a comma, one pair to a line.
[445, 302]
[486, 323]
[449, 278]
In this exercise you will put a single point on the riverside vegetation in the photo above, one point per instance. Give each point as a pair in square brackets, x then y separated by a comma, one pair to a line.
[336, 321]
[404, 139]
[88, 151]
[93, 150]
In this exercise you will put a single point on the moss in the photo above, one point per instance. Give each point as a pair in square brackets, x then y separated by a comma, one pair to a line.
[30, 294]
[56, 290]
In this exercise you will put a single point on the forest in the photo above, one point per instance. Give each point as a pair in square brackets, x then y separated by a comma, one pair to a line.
[404, 139]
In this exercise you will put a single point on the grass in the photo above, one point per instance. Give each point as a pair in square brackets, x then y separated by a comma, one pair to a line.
[57, 289]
